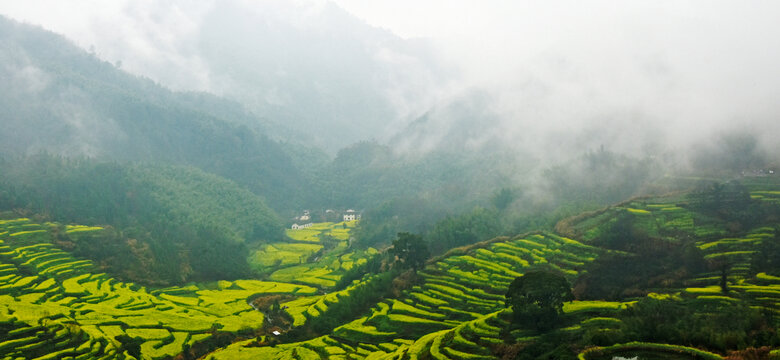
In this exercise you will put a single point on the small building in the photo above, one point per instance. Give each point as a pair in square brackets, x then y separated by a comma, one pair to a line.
[350, 215]
[305, 217]
[301, 227]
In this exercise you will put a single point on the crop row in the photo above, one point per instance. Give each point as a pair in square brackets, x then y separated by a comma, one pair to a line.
[40, 284]
[630, 350]
[768, 196]
[44, 341]
[459, 294]
[463, 288]
[658, 217]
[309, 260]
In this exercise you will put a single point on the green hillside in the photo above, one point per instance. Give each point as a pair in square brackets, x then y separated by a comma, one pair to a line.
[455, 309]
[63, 100]
[655, 277]
[321, 256]
[57, 306]
[456, 312]
[176, 223]
[176, 179]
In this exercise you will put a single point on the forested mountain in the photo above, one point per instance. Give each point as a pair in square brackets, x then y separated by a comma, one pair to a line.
[66, 102]
[318, 69]
[170, 224]
[318, 73]
[63, 100]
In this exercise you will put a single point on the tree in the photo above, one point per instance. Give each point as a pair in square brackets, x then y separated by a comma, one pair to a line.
[502, 199]
[722, 265]
[623, 235]
[132, 345]
[537, 299]
[729, 202]
[467, 228]
[767, 257]
[409, 251]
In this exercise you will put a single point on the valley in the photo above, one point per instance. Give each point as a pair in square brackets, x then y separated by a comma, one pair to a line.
[57, 306]
[368, 180]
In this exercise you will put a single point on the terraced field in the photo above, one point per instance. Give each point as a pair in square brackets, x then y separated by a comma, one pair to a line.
[56, 306]
[316, 256]
[735, 253]
[663, 218]
[454, 314]
[770, 196]
[456, 310]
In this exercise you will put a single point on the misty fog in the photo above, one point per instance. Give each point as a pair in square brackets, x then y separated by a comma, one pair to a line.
[539, 83]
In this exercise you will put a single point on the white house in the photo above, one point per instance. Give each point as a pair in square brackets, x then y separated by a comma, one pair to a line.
[350, 215]
[305, 217]
[300, 227]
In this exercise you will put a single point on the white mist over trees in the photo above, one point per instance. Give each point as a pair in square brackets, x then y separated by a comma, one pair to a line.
[531, 95]
[644, 78]
[314, 70]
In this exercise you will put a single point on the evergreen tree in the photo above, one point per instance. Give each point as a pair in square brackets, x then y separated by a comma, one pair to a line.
[409, 251]
[537, 298]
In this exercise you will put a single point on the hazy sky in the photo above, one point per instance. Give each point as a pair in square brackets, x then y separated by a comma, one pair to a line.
[678, 68]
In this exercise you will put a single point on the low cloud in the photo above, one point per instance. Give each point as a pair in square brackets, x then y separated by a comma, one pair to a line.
[551, 80]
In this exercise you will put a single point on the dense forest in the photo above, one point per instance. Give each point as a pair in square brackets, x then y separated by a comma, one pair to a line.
[171, 219]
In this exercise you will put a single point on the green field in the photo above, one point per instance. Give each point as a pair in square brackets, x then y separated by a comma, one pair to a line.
[454, 314]
[455, 309]
[58, 306]
[316, 256]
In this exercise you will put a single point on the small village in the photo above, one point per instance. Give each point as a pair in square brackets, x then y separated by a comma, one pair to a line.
[304, 221]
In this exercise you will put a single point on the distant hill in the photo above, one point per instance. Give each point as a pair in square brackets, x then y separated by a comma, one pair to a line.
[330, 76]
[312, 69]
[62, 100]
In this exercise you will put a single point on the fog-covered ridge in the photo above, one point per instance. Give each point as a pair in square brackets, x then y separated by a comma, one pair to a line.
[646, 79]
